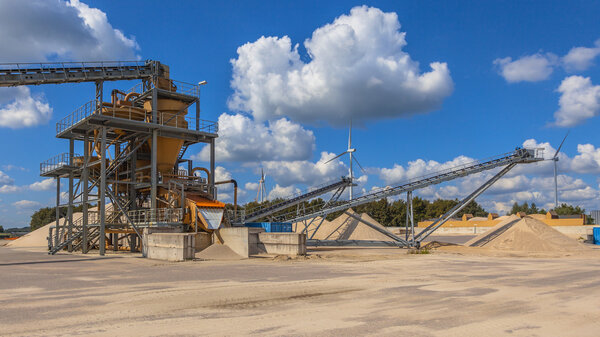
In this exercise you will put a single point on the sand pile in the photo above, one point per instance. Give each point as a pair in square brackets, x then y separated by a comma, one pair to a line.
[218, 251]
[527, 234]
[345, 227]
[298, 227]
[39, 237]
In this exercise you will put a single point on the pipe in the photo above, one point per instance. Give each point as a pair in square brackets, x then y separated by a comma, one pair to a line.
[201, 169]
[235, 187]
[113, 96]
[131, 94]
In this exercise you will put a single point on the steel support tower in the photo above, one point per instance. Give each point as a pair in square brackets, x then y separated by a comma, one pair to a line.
[126, 136]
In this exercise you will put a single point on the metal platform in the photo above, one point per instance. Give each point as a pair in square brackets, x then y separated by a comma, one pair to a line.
[58, 165]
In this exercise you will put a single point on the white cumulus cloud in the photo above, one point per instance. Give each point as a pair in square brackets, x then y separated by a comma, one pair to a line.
[579, 101]
[282, 192]
[26, 204]
[43, 185]
[5, 179]
[19, 109]
[306, 172]
[531, 68]
[245, 140]
[40, 31]
[581, 58]
[355, 68]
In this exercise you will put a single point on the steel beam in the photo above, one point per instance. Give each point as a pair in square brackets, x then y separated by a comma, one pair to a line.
[57, 214]
[454, 210]
[102, 192]
[70, 206]
[85, 182]
[154, 152]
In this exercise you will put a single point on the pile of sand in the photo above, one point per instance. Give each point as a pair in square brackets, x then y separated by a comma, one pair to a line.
[526, 234]
[218, 251]
[39, 237]
[478, 218]
[345, 227]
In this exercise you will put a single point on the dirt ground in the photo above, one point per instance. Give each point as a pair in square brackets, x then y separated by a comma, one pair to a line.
[333, 292]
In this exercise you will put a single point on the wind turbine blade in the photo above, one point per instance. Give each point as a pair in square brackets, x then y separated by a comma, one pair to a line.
[560, 146]
[336, 157]
[359, 165]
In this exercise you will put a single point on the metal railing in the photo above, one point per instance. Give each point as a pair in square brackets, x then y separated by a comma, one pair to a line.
[136, 114]
[178, 87]
[56, 162]
[150, 217]
[76, 116]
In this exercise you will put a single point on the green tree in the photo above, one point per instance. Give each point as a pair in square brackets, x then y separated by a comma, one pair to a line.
[566, 209]
[473, 208]
[1, 229]
[45, 215]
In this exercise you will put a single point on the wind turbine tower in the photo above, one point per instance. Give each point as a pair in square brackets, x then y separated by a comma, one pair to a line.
[350, 151]
[262, 191]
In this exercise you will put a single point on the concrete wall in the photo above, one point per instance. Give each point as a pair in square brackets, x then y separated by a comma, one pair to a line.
[251, 241]
[149, 230]
[171, 246]
[282, 243]
[236, 238]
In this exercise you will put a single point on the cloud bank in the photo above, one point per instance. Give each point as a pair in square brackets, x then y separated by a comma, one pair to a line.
[356, 68]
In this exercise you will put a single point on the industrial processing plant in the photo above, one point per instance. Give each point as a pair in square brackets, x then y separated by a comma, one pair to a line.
[152, 213]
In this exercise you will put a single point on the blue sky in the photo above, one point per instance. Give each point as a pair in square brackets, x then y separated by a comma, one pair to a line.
[481, 105]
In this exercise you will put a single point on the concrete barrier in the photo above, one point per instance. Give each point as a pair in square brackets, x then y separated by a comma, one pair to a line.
[234, 237]
[246, 241]
[150, 230]
[282, 243]
[171, 246]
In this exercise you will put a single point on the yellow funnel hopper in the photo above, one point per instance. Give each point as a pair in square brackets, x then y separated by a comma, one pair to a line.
[207, 214]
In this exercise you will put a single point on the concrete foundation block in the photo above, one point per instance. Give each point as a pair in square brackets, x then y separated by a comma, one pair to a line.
[150, 230]
[282, 243]
[171, 246]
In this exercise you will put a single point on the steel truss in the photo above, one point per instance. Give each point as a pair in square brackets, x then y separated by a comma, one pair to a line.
[125, 138]
[309, 216]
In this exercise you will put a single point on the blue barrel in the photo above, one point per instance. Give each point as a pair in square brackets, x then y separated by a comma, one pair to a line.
[272, 227]
[596, 233]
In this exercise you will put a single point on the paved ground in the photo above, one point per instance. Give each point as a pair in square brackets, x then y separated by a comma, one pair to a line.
[353, 291]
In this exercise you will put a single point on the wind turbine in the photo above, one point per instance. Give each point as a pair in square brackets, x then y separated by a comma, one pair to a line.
[261, 187]
[349, 151]
[555, 160]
